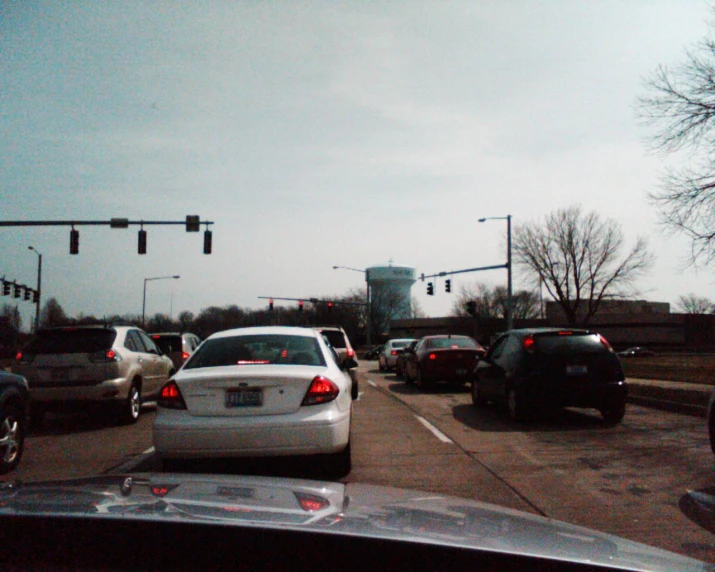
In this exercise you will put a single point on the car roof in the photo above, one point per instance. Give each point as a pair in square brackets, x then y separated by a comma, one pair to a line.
[446, 336]
[266, 330]
[532, 331]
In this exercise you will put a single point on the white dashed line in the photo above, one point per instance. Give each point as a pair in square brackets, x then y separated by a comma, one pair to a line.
[372, 383]
[436, 432]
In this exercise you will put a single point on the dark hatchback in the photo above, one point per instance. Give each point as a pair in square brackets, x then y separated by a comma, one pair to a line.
[541, 369]
[441, 358]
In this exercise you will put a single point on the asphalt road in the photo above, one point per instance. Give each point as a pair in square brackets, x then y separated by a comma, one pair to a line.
[631, 480]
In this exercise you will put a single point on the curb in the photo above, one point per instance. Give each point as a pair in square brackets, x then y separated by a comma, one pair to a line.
[672, 406]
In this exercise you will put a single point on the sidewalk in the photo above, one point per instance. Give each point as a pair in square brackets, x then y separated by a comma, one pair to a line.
[683, 397]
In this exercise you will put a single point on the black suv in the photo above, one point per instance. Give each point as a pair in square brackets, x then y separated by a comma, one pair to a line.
[548, 368]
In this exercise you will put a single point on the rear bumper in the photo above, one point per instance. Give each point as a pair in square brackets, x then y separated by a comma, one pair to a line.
[449, 372]
[574, 394]
[104, 391]
[311, 430]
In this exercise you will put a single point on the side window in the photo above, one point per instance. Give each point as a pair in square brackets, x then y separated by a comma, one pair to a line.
[130, 342]
[497, 348]
[512, 351]
[148, 343]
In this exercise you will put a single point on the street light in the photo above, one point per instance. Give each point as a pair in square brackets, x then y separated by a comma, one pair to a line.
[147, 280]
[509, 316]
[367, 305]
[39, 284]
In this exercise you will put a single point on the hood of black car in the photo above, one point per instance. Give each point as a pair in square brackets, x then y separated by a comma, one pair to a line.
[334, 508]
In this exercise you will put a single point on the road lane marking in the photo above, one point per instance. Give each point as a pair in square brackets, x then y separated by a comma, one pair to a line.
[437, 433]
[131, 464]
[372, 383]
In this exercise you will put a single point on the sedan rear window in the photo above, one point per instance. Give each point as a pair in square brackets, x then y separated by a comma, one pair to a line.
[71, 341]
[439, 343]
[257, 350]
[557, 343]
[400, 344]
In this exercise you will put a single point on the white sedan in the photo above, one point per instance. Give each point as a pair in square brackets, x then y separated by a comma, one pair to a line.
[263, 391]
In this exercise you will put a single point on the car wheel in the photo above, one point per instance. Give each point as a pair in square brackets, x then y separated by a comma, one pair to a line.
[515, 404]
[339, 464]
[422, 383]
[12, 437]
[613, 413]
[477, 395]
[132, 406]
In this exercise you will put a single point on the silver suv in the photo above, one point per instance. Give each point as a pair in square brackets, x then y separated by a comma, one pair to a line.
[115, 366]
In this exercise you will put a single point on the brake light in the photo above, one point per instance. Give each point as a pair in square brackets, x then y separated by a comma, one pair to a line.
[604, 341]
[566, 333]
[311, 503]
[433, 356]
[321, 390]
[170, 397]
[529, 344]
[105, 356]
[351, 352]
[393, 352]
[156, 337]
[185, 355]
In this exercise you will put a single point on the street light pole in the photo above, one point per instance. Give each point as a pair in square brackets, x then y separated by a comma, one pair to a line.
[144, 298]
[509, 300]
[39, 287]
[367, 305]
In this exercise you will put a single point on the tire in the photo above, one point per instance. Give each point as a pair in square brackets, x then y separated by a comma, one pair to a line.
[131, 408]
[478, 399]
[613, 413]
[518, 411]
[422, 383]
[12, 436]
[408, 378]
[339, 464]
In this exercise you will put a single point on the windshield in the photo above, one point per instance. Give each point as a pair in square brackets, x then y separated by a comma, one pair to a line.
[463, 173]
[257, 350]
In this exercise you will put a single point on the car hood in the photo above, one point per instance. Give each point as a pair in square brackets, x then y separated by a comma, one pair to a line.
[332, 508]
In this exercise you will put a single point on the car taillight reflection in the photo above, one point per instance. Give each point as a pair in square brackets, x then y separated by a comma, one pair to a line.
[311, 503]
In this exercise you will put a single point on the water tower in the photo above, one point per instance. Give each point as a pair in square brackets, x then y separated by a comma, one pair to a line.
[390, 288]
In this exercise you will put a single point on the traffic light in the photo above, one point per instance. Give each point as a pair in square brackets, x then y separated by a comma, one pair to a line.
[330, 306]
[430, 289]
[17, 291]
[207, 242]
[28, 293]
[270, 304]
[6, 288]
[300, 305]
[35, 297]
[142, 242]
[192, 223]
[448, 286]
[74, 241]
[471, 308]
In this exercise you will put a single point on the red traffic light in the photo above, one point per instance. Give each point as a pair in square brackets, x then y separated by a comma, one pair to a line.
[300, 306]
[330, 306]
[270, 304]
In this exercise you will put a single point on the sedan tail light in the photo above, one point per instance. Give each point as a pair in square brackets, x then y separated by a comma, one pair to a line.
[21, 358]
[321, 390]
[170, 397]
[529, 344]
[351, 352]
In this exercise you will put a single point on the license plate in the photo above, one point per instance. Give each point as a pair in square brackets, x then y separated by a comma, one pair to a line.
[576, 370]
[61, 373]
[244, 398]
[235, 492]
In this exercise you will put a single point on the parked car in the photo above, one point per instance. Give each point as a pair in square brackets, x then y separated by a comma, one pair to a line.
[263, 391]
[546, 368]
[118, 367]
[636, 352]
[14, 410]
[373, 352]
[387, 359]
[177, 346]
[400, 361]
[339, 341]
[442, 358]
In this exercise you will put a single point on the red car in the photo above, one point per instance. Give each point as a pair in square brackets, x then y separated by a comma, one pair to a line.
[442, 358]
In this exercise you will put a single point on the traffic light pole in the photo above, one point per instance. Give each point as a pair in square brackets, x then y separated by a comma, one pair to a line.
[39, 287]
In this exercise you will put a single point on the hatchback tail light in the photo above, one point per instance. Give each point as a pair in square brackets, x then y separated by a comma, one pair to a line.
[604, 341]
[529, 343]
[351, 352]
[393, 352]
[105, 356]
[22, 358]
[185, 356]
[321, 390]
[170, 397]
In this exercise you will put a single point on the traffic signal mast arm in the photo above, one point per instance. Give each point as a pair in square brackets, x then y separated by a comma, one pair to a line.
[313, 301]
[441, 274]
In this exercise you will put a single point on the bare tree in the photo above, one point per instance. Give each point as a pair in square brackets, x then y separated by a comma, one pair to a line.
[692, 304]
[385, 305]
[681, 108]
[52, 314]
[492, 302]
[579, 257]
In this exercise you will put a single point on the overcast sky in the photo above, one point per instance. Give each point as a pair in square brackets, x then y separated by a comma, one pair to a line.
[317, 134]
